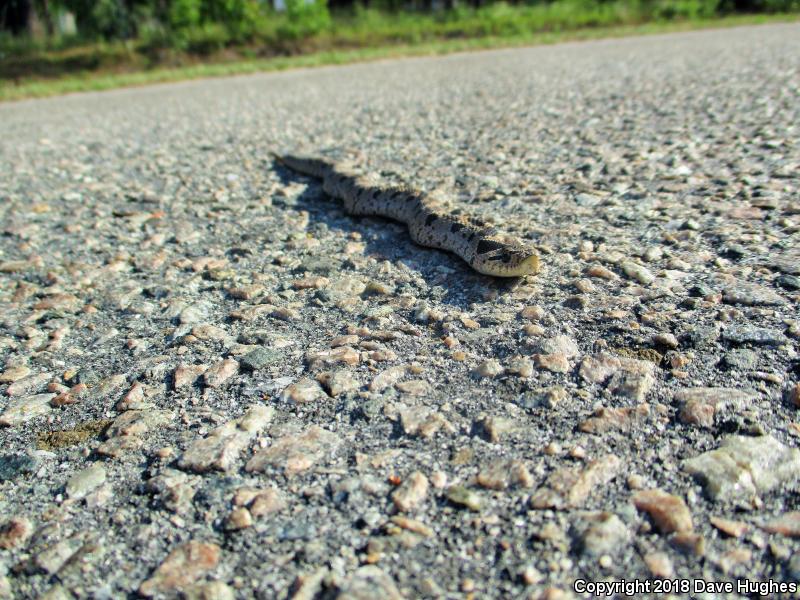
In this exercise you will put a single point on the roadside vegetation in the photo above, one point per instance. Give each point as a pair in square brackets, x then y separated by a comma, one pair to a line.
[50, 46]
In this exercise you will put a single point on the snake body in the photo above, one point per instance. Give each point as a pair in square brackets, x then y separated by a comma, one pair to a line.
[481, 246]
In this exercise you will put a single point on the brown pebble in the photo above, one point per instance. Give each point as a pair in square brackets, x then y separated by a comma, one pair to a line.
[659, 564]
[794, 395]
[729, 526]
[239, 518]
[181, 568]
[669, 512]
[14, 532]
[787, 524]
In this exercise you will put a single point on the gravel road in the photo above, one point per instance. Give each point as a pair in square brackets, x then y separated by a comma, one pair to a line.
[215, 384]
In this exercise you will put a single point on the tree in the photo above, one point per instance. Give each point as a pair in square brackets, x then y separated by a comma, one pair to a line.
[16, 16]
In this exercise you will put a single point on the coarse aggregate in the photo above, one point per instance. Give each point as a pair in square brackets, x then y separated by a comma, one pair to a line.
[216, 384]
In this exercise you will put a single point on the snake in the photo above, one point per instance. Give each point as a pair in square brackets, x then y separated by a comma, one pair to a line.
[483, 247]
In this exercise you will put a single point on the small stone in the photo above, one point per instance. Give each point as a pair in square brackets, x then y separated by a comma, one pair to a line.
[653, 254]
[21, 410]
[12, 374]
[247, 292]
[83, 482]
[660, 565]
[296, 453]
[220, 372]
[489, 368]
[212, 590]
[174, 489]
[206, 332]
[59, 302]
[378, 288]
[794, 395]
[601, 533]
[285, 313]
[195, 313]
[182, 567]
[734, 557]
[689, 542]
[700, 405]
[303, 391]
[133, 399]
[368, 582]
[638, 273]
[751, 295]
[423, 422]
[548, 397]
[607, 419]
[697, 413]
[414, 387]
[187, 375]
[338, 382]
[665, 340]
[15, 532]
[251, 313]
[387, 378]
[411, 492]
[26, 385]
[532, 313]
[741, 359]
[412, 525]
[669, 512]
[462, 496]
[599, 368]
[519, 365]
[531, 576]
[126, 430]
[310, 282]
[600, 272]
[265, 502]
[56, 556]
[257, 359]
[556, 362]
[559, 344]
[501, 475]
[342, 354]
[633, 386]
[758, 336]
[439, 480]
[16, 266]
[570, 487]
[220, 450]
[787, 524]
[239, 518]
[788, 282]
[745, 466]
[344, 340]
[635, 482]
[729, 526]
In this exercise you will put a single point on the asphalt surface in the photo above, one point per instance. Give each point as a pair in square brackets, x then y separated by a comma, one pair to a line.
[216, 384]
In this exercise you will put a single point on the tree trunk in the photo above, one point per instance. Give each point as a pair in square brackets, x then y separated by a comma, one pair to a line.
[46, 16]
[16, 16]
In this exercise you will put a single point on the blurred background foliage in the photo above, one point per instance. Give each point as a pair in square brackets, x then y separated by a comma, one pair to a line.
[46, 38]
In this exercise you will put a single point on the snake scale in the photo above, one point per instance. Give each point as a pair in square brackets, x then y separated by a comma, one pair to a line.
[483, 248]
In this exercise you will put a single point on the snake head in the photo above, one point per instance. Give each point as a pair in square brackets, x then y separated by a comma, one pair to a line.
[503, 256]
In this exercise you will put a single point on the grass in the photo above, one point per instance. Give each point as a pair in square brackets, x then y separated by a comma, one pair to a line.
[363, 37]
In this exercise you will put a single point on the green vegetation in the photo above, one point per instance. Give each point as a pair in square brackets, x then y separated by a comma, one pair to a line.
[130, 42]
